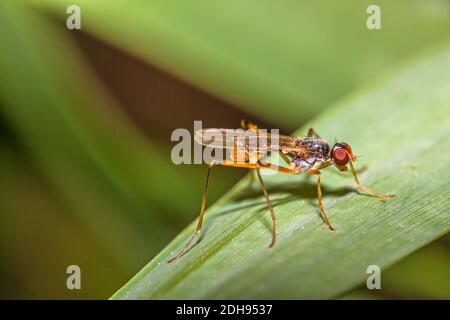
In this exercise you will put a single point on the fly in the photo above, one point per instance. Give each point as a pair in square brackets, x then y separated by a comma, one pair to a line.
[248, 149]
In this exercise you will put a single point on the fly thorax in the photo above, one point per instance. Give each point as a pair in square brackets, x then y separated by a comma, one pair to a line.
[313, 153]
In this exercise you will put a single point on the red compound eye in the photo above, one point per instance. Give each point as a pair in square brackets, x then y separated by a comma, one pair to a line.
[340, 156]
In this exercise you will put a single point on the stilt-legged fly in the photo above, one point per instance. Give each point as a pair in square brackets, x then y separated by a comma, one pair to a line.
[307, 155]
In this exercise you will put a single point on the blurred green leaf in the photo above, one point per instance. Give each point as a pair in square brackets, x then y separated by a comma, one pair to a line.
[38, 240]
[401, 125]
[423, 274]
[66, 111]
[281, 60]
[102, 167]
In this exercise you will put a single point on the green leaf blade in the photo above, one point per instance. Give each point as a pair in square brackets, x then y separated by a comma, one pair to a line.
[401, 125]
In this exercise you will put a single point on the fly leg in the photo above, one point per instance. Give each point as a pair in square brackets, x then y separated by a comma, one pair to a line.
[246, 125]
[249, 125]
[200, 218]
[319, 197]
[256, 168]
[285, 157]
[361, 188]
[312, 133]
[203, 205]
[269, 204]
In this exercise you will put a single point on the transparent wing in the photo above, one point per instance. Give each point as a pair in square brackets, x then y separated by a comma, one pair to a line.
[260, 141]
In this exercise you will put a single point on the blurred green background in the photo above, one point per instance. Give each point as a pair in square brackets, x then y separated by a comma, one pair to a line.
[86, 116]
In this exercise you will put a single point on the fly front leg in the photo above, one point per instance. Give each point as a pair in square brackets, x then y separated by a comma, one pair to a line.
[319, 196]
[361, 188]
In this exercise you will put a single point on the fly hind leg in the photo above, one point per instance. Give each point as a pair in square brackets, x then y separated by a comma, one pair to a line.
[269, 204]
[263, 187]
[200, 218]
